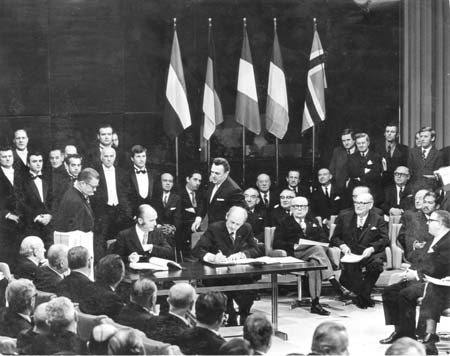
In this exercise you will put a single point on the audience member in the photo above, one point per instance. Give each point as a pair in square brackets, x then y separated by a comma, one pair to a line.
[204, 338]
[139, 309]
[98, 341]
[361, 232]
[280, 212]
[236, 347]
[21, 150]
[69, 150]
[338, 164]
[398, 197]
[41, 327]
[288, 237]
[49, 275]
[294, 184]
[168, 328]
[400, 299]
[257, 216]
[126, 342]
[64, 180]
[258, 332]
[104, 140]
[406, 346]
[31, 255]
[230, 240]
[20, 295]
[143, 240]
[417, 139]
[330, 338]
[268, 198]
[56, 159]
[62, 338]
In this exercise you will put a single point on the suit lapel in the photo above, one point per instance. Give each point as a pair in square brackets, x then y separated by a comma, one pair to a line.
[134, 180]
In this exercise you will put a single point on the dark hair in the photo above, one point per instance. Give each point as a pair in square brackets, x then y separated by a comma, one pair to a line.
[431, 194]
[428, 129]
[105, 126]
[235, 347]
[110, 270]
[34, 153]
[137, 149]
[210, 307]
[78, 257]
[258, 331]
[444, 215]
[5, 148]
[348, 132]
[75, 155]
[190, 173]
[219, 161]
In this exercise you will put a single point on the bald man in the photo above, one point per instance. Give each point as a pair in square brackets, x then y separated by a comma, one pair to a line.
[32, 254]
[268, 198]
[167, 328]
[143, 240]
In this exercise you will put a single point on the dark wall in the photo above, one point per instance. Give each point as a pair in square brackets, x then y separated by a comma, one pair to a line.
[68, 65]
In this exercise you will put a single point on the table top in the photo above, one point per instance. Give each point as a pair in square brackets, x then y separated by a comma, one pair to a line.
[198, 270]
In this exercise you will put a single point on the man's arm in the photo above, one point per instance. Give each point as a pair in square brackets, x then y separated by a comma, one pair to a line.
[205, 245]
[161, 247]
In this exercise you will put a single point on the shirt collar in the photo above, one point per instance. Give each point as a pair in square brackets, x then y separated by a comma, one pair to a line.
[10, 169]
[179, 317]
[110, 169]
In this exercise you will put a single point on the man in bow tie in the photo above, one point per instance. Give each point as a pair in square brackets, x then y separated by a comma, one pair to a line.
[63, 180]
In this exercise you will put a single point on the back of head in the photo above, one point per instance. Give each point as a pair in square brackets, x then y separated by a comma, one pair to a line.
[209, 307]
[236, 347]
[40, 318]
[406, 346]
[330, 338]
[143, 292]
[29, 244]
[78, 257]
[181, 296]
[57, 256]
[110, 270]
[60, 314]
[258, 331]
[20, 295]
[87, 174]
[126, 342]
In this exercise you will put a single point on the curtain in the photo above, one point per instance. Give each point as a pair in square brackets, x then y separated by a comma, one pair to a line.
[426, 69]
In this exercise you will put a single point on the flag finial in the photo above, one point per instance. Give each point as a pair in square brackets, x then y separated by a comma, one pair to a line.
[244, 19]
[174, 22]
[274, 23]
[209, 21]
[315, 24]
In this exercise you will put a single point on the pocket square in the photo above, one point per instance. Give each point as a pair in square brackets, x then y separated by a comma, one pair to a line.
[220, 199]
[337, 197]
[373, 228]
[173, 208]
[369, 162]
[314, 225]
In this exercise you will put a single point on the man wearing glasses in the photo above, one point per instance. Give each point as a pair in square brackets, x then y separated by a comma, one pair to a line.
[400, 299]
[361, 232]
[398, 197]
[288, 237]
[282, 210]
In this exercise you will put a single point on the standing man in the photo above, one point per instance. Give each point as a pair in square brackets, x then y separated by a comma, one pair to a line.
[393, 154]
[338, 163]
[66, 179]
[398, 197]
[104, 140]
[267, 197]
[56, 160]
[223, 192]
[424, 160]
[21, 150]
[361, 232]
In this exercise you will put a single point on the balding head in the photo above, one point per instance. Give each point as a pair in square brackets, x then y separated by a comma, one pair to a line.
[263, 182]
[33, 248]
[360, 190]
[235, 218]
[406, 346]
[299, 207]
[108, 156]
[251, 196]
[330, 338]
[324, 176]
[57, 258]
[40, 319]
[146, 218]
[143, 292]
[181, 297]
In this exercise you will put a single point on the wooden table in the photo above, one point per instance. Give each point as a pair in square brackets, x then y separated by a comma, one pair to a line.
[193, 271]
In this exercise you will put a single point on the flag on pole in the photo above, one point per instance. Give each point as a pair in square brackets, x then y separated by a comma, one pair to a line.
[177, 116]
[314, 110]
[247, 110]
[212, 108]
[277, 111]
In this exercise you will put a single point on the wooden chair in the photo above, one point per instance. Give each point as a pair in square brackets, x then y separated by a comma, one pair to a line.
[394, 254]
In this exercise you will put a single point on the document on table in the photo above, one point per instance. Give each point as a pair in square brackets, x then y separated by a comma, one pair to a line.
[351, 258]
[312, 243]
[266, 260]
[440, 282]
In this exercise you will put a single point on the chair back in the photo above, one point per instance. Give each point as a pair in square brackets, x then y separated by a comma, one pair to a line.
[195, 237]
[269, 233]
[332, 228]
[333, 219]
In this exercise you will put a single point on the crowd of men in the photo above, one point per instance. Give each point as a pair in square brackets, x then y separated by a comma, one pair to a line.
[118, 196]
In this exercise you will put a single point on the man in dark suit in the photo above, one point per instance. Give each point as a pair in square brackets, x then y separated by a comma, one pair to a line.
[268, 197]
[361, 232]
[364, 168]
[338, 164]
[222, 193]
[423, 161]
[414, 231]
[398, 197]
[192, 210]
[31, 255]
[294, 183]
[393, 154]
[204, 338]
[20, 295]
[143, 240]
[280, 212]
[37, 200]
[11, 207]
[400, 299]
[326, 199]
[287, 237]
[49, 275]
[446, 156]
[77, 285]
[62, 180]
[139, 180]
[110, 206]
[168, 328]
[138, 311]
[21, 150]
[257, 215]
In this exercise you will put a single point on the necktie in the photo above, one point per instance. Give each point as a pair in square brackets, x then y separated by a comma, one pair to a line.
[145, 238]
[232, 236]
[303, 225]
[363, 154]
[165, 200]
[360, 222]
[138, 171]
[194, 202]
[327, 192]
[348, 151]
[265, 200]
[424, 155]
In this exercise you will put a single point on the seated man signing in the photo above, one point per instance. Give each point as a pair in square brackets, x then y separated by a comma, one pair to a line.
[287, 237]
[230, 240]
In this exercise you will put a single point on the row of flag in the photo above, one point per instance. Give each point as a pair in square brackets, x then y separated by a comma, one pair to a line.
[177, 116]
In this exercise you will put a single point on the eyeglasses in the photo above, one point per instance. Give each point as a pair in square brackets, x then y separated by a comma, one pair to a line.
[250, 196]
[361, 202]
[286, 197]
[299, 206]
[398, 174]
[430, 220]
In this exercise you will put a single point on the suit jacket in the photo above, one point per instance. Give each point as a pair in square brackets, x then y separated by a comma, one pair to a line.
[200, 341]
[374, 233]
[61, 183]
[324, 206]
[399, 158]
[47, 279]
[258, 220]
[390, 199]
[103, 301]
[418, 167]
[134, 316]
[414, 228]
[446, 156]
[274, 199]
[130, 184]
[11, 323]
[166, 328]
[216, 237]
[289, 233]
[10, 197]
[228, 195]
[76, 286]
[338, 166]
[18, 163]
[171, 213]
[445, 202]
[74, 213]
[278, 215]
[128, 242]
[25, 268]
[188, 217]
[64, 343]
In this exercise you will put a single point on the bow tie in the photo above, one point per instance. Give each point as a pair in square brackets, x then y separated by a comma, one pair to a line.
[143, 171]
[37, 176]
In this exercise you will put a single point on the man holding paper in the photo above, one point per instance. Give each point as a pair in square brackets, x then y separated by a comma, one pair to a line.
[301, 235]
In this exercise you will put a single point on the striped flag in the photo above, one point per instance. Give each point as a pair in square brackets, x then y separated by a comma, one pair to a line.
[247, 110]
[212, 108]
[177, 116]
[277, 111]
[314, 111]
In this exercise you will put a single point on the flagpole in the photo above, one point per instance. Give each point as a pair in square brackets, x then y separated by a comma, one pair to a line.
[314, 126]
[176, 138]
[243, 130]
[277, 167]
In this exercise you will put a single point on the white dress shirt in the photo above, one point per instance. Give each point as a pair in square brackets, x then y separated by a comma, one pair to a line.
[23, 155]
[142, 182]
[110, 177]
[9, 173]
[38, 183]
